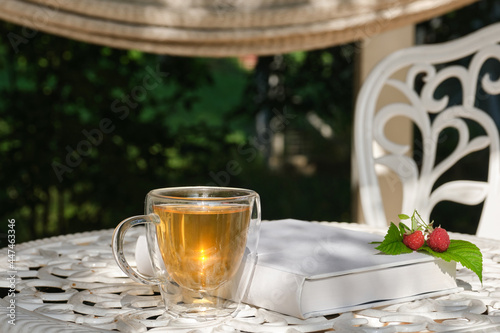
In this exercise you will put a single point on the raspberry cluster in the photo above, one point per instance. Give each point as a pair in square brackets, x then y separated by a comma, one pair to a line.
[437, 239]
[423, 237]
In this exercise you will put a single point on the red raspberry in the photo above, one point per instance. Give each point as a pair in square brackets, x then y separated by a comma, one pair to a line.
[414, 240]
[438, 240]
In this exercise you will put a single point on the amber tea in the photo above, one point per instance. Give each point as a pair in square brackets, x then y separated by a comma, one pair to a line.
[201, 248]
[202, 245]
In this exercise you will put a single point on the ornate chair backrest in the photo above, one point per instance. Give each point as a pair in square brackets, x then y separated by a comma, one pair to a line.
[428, 69]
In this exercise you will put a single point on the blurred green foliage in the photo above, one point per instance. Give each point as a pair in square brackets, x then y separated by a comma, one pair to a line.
[62, 170]
[86, 131]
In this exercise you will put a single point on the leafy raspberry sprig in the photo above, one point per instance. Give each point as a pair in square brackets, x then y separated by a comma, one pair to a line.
[423, 237]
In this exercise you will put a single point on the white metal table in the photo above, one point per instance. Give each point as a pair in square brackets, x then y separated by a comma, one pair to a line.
[72, 284]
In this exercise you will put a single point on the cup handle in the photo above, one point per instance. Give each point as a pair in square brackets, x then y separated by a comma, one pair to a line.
[117, 245]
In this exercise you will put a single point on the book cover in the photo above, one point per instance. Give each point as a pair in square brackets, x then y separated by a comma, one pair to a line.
[306, 269]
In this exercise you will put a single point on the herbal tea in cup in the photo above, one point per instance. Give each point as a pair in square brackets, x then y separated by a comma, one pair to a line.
[202, 243]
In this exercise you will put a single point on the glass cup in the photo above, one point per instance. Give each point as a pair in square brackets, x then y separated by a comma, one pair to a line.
[202, 242]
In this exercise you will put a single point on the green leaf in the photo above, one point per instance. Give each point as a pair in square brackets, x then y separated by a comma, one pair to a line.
[393, 242]
[463, 252]
[403, 228]
[414, 222]
[403, 216]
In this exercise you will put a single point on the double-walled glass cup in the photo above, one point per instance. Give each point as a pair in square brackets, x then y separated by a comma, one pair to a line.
[202, 242]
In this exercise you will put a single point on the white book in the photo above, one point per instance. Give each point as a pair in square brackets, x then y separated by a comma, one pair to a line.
[306, 269]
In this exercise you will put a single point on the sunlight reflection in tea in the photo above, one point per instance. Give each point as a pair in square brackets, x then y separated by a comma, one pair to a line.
[202, 245]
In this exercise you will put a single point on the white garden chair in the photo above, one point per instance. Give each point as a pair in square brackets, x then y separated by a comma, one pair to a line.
[431, 115]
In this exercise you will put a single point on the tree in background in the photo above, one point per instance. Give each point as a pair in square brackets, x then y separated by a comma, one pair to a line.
[86, 131]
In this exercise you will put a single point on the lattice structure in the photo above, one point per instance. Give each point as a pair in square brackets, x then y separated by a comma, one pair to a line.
[72, 284]
[432, 67]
